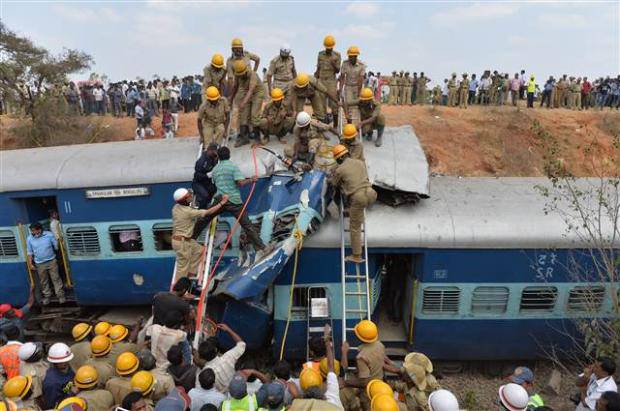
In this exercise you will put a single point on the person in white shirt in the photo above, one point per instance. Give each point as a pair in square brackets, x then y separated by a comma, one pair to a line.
[205, 393]
[55, 224]
[98, 94]
[595, 380]
[223, 365]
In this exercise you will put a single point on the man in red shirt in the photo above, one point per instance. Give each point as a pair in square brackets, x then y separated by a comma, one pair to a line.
[586, 88]
[9, 356]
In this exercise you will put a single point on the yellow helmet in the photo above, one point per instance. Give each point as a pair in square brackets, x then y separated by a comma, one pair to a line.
[378, 387]
[143, 381]
[8, 405]
[349, 132]
[339, 150]
[127, 363]
[366, 331]
[302, 80]
[366, 94]
[17, 387]
[310, 377]
[277, 94]
[240, 67]
[81, 331]
[100, 346]
[383, 402]
[118, 333]
[324, 370]
[329, 41]
[353, 51]
[236, 42]
[217, 60]
[73, 400]
[102, 328]
[86, 377]
[212, 93]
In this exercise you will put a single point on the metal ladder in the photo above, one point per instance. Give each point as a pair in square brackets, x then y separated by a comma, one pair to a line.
[355, 304]
[319, 313]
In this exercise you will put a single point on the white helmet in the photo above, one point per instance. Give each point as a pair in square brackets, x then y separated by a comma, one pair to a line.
[303, 119]
[514, 397]
[285, 49]
[59, 353]
[28, 350]
[180, 194]
[442, 400]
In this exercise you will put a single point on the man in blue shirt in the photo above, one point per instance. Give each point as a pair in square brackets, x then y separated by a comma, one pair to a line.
[59, 377]
[473, 87]
[42, 247]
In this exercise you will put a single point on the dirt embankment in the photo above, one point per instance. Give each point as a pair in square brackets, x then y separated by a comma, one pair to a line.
[478, 141]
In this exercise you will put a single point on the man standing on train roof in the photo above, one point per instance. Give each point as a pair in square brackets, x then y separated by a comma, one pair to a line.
[184, 217]
[238, 53]
[42, 247]
[352, 77]
[327, 68]
[213, 117]
[282, 71]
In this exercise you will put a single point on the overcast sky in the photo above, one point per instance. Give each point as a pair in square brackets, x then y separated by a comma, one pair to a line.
[129, 39]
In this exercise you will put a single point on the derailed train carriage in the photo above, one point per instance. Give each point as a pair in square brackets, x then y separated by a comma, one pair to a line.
[477, 271]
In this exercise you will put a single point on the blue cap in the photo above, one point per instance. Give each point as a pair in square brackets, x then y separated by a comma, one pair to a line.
[238, 388]
[521, 375]
[172, 402]
[275, 395]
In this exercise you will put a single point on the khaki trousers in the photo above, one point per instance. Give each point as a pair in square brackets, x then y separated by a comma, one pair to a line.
[212, 133]
[188, 257]
[358, 202]
[46, 271]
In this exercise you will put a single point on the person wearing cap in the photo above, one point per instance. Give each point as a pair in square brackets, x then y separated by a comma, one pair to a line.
[306, 87]
[351, 79]
[81, 334]
[42, 247]
[239, 54]
[213, 117]
[418, 380]
[512, 397]
[327, 68]
[307, 139]
[202, 183]
[281, 72]
[86, 381]
[371, 118]
[119, 386]
[59, 378]
[239, 398]
[177, 400]
[33, 365]
[214, 73]
[123, 341]
[205, 392]
[19, 390]
[100, 348]
[16, 316]
[248, 94]
[273, 397]
[282, 374]
[9, 352]
[277, 118]
[184, 216]
[525, 378]
[164, 383]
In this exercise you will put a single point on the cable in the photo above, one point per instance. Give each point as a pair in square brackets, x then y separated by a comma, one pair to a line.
[300, 238]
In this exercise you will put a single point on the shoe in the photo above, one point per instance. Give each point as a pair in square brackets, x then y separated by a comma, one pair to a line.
[357, 259]
[379, 142]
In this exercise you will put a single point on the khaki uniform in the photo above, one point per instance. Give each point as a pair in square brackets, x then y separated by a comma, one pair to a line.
[81, 354]
[561, 86]
[277, 119]
[119, 387]
[303, 139]
[436, 95]
[26, 405]
[352, 178]
[421, 90]
[103, 367]
[353, 75]
[119, 348]
[393, 96]
[164, 383]
[575, 98]
[369, 365]
[251, 112]
[97, 400]
[213, 77]
[401, 89]
[315, 91]
[463, 90]
[312, 405]
[323, 156]
[327, 67]
[213, 117]
[37, 371]
[452, 92]
[371, 111]
[356, 149]
[407, 88]
[247, 57]
[282, 73]
[415, 399]
[188, 251]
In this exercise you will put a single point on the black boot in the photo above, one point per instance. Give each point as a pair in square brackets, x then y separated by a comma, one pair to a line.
[264, 138]
[379, 141]
[242, 138]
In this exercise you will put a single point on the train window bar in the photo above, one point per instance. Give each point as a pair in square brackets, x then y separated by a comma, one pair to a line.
[83, 240]
[162, 234]
[8, 244]
[441, 300]
[537, 299]
[489, 300]
[586, 298]
[300, 297]
[125, 238]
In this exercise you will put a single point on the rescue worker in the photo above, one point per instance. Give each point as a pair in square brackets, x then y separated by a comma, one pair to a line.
[421, 88]
[350, 141]
[122, 340]
[144, 382]
[316, 396]
[9, 352]
[239, 400]
[393, 97]
[213, 118]
[452, 91]
[126, 366]
[239, 54]
[102, 328]
[214, 73]
[525, 378]
[401, 88]
[352, 178]
[202, 183]
[100, 348]
[33, 365]
[59, 378]
[576, 95]
[375, 388]
[281, 72]
[351, 77]
[463, 91]
[407, 87]
[70, 402]
[248, 93]
[305, 131]
[81, 348]
[512, 397]
[277, 118]
[19, 390]
[371, 117]
[442, 400]
[419, 381]
[188, 250]
[327, 67]
[86, 381]
[384, 402]
[308, 87]
[164, 383]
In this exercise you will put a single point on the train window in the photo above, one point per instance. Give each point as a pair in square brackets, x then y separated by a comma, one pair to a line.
[300, 296]
[221, 234]
[489, 300]
[8, 244]
[586, 298]
[441, 300]
[538, 299]
[162, 233]
[82, 240]
[125, 238]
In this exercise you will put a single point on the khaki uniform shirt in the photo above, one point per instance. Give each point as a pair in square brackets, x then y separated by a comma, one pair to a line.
[103, 367]
[356, 150]
[368, 110]
[370, 358]
[119, 387]
[81, 353]
[416, 399]
[312, 404]
[97, 400]
[274, 114]
[465, 84]
[212, 77]
[354, 74]
[394, 81]
[243, 84]
[247, 57]
[327, 66]
[308, 92]
[351, 176]
[37, 371]
[183, 220]
[452, 83]
[214, 114]
[281, 69]
[305, 134]
[164, 383]
[407, 81]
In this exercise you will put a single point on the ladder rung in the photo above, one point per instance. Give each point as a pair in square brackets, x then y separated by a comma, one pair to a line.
[354, 293]
[316, 329]
[356, 311]
[355, 276]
